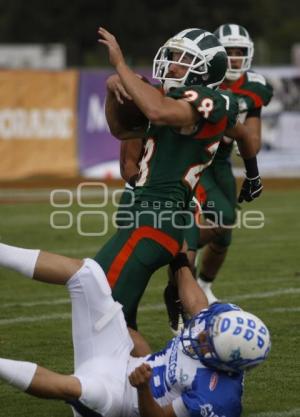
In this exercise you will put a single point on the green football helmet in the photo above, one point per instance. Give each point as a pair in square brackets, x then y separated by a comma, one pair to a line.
[197, 50]
[236, 36]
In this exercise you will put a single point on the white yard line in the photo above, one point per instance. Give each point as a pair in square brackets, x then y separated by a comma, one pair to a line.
[37, 303]
[26, 319]
[269, 294]
[285, 310]
[295, 412]
[265, 294]
[78, 251]
[146, 308]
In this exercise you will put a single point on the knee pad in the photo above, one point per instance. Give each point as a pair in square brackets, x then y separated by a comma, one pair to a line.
[96, 395]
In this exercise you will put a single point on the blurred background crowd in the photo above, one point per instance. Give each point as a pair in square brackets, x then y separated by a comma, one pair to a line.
[52, 77]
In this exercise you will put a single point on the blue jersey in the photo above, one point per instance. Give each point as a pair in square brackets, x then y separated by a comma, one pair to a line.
[193, 389]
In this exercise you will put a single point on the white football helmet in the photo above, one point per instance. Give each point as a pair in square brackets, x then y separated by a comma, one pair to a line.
[231, 341]
[200, 52]
[236, 36]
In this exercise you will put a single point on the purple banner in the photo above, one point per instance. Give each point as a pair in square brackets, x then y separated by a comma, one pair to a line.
[95, 144]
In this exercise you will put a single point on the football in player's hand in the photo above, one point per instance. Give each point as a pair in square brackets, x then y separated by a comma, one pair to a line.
[129, 115]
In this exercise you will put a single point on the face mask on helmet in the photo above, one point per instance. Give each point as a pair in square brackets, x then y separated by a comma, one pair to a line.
[237, 42]
[232, 341]
[197, 56]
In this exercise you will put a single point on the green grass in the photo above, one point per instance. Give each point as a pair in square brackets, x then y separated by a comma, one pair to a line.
[261, 274]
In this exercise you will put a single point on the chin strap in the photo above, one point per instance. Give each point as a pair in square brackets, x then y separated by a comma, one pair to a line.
[233, 76]
[169, 84]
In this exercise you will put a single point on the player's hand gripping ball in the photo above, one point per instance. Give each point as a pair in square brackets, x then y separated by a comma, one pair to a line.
[129, 115]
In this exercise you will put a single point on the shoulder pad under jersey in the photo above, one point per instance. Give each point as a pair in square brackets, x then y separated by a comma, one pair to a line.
[209, 103]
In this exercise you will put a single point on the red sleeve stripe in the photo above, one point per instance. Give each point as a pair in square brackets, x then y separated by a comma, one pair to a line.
[236, 89]
[200, 193]
[258, 102]
[144, 232]
[201, 196]
[236, 85]
[212, 129]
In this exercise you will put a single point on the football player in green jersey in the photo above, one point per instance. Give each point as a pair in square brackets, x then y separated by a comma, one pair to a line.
[186, 125]
[217, 187]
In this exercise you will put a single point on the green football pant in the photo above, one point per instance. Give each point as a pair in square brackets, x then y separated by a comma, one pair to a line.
[218, 198]
[131, 256]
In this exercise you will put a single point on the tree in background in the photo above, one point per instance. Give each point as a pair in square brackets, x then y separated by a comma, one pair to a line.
[142, 25]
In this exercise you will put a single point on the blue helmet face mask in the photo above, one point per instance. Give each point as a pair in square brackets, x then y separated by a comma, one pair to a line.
[230, 341]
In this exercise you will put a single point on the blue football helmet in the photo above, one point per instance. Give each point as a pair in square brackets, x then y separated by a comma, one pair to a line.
[231, 341]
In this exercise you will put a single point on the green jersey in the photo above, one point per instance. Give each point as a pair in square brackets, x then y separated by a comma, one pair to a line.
[252, 92]
[174, 158]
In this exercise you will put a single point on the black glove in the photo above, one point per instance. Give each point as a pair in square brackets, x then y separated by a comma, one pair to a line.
[132, 180]
[251, 189]
[178, 262]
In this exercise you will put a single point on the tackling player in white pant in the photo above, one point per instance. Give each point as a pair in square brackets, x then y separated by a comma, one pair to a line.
[198, 372]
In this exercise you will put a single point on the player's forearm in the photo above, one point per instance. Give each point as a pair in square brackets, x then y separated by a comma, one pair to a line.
[254, 125]
[247, 145]
[146, 97]
[141, 346]
[191, 295]
[128, 170]
[245, 138]
[247, 148]
[130, 153]
[148, 407]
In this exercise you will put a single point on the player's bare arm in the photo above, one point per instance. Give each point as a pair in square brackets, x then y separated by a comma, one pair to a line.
[254, 125]
[148, 407]
[159, 109]
[245, 138]
[192, 297]
[115, 85]
[252, 186]
[130, 153]
[141, 346]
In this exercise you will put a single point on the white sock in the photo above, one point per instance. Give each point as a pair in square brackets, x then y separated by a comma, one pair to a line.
[206, 287]
[17, 373]
[203, 284]
[19, 259]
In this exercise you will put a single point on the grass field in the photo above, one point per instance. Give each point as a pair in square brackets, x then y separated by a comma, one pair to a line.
[261, 274]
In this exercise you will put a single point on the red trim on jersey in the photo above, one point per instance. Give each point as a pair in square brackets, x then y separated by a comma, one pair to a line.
[144, 232]
[258, 102]
[235, 88]
[201, 196]
[212, 129]
[235, 85]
